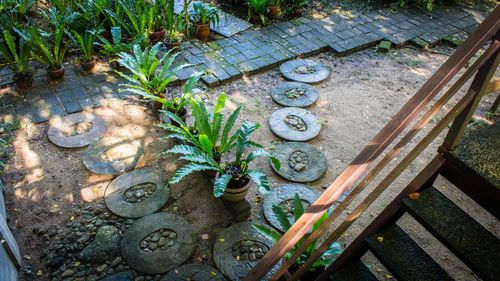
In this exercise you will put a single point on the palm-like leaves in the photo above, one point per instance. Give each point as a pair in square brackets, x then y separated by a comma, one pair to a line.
[298, 211]
[85, 42]
[117, 44]
[17, 55]
[49, 47]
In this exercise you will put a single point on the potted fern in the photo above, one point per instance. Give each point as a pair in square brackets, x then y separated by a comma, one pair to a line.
[209, 133]
[286, 219]
[50, 50]
[150, 75]
[203, 15]
[86, 43]
[174, 24]
[114, 45]
[257, 10]
[17, 55]
[233, 176]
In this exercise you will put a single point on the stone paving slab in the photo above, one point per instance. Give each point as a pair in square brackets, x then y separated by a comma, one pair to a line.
[246, 52]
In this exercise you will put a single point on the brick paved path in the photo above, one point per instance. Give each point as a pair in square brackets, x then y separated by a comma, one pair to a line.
[249, 52]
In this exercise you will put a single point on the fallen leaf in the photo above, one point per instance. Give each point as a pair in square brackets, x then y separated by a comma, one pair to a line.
[222, 240]
[380, 239]
[237, 258]
[414, 196]
[77, 263]
[27, 257]
[39, 272]
[72, 218]
[213, 273]
[388, 276]
[205, 236]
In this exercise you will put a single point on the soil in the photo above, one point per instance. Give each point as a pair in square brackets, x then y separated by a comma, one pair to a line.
[45, 183]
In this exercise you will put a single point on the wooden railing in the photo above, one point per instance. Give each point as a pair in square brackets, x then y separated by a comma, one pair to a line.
[483, 68]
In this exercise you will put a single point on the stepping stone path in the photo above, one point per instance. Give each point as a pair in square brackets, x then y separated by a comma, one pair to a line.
[238, 249]
[112, 155]
[158, 243]
[198, 272]
[306, 71]
[300, 162]
[294, 124]
[137, 193]
[284, 196]
[295, 94]
[76, 130]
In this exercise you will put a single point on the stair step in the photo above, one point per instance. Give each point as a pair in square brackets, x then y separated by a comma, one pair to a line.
[403, 257]
[355, 271]
[469, 240]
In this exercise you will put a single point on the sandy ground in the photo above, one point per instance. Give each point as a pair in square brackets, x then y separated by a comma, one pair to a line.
[45, 182]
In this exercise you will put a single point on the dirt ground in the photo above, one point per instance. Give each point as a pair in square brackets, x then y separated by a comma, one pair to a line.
[47, 185]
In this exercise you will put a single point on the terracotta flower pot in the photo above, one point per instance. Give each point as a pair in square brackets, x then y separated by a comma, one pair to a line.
[202, 31]
[255, 19]
[175, 46]
[89, 65]
[157, 35]
[23, 82]
[56, 74]
[236, 190]
[274, 11]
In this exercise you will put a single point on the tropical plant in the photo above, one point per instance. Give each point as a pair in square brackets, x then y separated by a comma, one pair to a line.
[85, 42]
[212, 125]
[285, 223]
[150, 75]
[117, 44]
[15, 13]
[173, 23]
[204, 14]
[257, 8]
[49, 48]
[135, 17]
[236, 170]
[92, 13]
[17, 55]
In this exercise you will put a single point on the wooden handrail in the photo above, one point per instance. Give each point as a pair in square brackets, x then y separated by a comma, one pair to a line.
[378, 144]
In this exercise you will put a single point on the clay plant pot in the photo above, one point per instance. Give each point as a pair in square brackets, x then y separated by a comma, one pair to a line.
[56, 74]
[24, 81]
[274, 11]
[236, 190]
[176, 46]
[157, 36]
[202, 31]
[89, 65]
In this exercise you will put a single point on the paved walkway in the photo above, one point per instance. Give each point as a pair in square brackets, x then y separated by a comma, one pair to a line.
[249, 52]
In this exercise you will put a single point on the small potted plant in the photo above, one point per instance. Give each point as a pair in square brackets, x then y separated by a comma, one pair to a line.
[233, 176]
[50, 50]
[257, 10]
[116, 44]
[150, 75]
[286, 218]
[210, 131]
[173, 37]
[274, 9]
[157, 22]
[203, 15]
[86, 43]
[17, 55]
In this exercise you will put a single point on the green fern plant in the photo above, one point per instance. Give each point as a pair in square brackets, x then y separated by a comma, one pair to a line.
[49, 48]
[17, 55]
[236, 170]
[257, 8]
[284, 221]
[149, 75]
[86, 43]
[117, 45]
[209, 124]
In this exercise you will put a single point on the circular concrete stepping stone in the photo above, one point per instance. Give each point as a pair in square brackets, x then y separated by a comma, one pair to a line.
[137, 193]
[306, 71]
[295, 94]
[283, 196]
[76, 130]
[300, 162]
[294, 124]
[158, 243]
[198, 272]
[238, 249]
[112, 155]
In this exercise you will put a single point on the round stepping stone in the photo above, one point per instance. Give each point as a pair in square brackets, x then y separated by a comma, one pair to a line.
[306, 71]
[300, 162]
[238, 249]
[76, 130]
[112, 155]
[295, 94]
[137, 193]
[284, 196]
[294, 124]
[198, 272]
[158, 243]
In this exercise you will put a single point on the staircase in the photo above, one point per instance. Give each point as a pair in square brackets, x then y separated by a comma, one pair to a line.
[469, 241]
